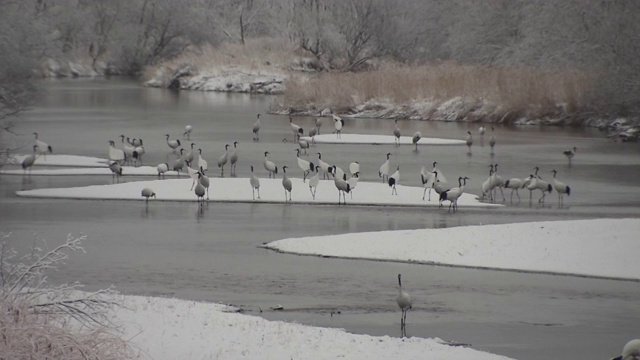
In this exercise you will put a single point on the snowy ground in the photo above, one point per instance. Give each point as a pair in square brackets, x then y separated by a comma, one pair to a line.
[126, 171]
[379, 140]
[64, 160]
[178, 329]
[603, 248]
[239, 190]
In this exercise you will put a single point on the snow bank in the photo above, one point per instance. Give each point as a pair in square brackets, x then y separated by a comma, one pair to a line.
[179, 329]
[601, 248]
[126, 171]
[379, 140]
[64, 160]
[239, 190]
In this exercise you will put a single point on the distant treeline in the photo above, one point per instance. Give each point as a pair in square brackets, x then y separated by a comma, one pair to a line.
[595, 37]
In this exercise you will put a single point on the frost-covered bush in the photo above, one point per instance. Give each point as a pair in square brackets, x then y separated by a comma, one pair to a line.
[39, 321]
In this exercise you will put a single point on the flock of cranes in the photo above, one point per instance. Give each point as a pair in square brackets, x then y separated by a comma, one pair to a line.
[131, 150]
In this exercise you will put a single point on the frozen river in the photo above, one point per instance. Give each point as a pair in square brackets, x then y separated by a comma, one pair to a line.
[174, 249]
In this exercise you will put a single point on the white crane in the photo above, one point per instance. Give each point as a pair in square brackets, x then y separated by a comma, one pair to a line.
[497, 183]
[338, 123]
[173, 144]
[202, 163]
[481, 130]
[128, 150]
[394, 180]
[383, 172]
[440, 187]
[270, 166]
[43, 147]
[306, 166]
[256, 129]
[116, 171]
[324, 166]
[162, 169]
[233, 158]
[343, 187]
[318, 125]
[337, 172]
[536, 183]
[28, 161]
[492, 140]
[222, 160]
[255, 184]
[314, 181]
[187, 132]
[204, 180]
[514, 184]
[354, 168]
[115, 154]
[297, 130]
[304, 145]
[469, 141]
[561, 188]
[415, 138]
[404, 303]
[147, 193]
[427, 178]
[454, 194]
[487, 185]
[199, 190]
[396, 133]
[630, 351]
[286, 184]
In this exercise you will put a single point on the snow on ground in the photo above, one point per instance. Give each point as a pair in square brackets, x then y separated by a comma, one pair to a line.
[602, 247]
[379, 140]
[239, 190]
[126, 171]
[64, 160]
[178, 329]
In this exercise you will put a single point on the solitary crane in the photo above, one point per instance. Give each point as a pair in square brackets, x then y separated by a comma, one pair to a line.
[454, 194]
[256, 129]
[286, 183]
[396, 133]
[314, 181]
[343, 187]
[404, 303]
[492, 140]
[255, 184]
[297, 130]
[338, 123]
[270, 166]
[147, 193]
[173, 144]
[306, 166]
[28, 161]
[416, 137]
[394, 180]
[233, 158]
[116, 171]
[469, 141]
[162, 169]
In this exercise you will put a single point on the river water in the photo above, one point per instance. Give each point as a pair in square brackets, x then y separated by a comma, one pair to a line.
[176, 249]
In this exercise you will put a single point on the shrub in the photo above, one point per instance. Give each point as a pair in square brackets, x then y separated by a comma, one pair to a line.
[39, 321]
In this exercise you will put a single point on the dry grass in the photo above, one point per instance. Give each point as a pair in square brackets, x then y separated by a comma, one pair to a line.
[256, 55]
[515, 90]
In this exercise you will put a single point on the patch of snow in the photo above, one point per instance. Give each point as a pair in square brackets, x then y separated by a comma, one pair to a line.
[601, 248]
[163, 328]
[379, 139]
[126, 171]
[239, 190]
[64, 160]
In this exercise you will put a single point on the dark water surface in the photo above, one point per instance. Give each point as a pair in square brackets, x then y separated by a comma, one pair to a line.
[176, 249]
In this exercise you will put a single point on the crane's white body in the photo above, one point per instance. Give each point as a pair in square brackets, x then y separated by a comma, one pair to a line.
[255, 184]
